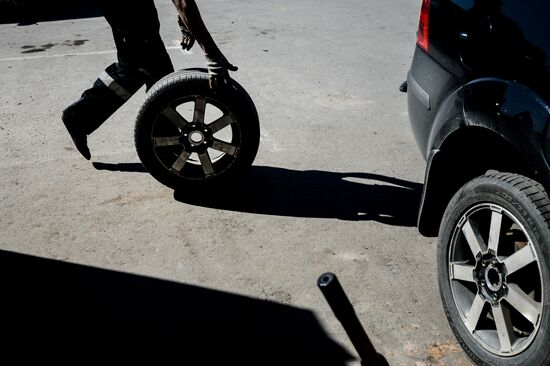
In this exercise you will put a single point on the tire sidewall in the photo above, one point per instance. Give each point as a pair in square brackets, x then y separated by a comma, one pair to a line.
[177, 86]
[491, 190]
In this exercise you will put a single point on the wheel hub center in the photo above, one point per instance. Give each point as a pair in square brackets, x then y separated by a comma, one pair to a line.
[493, 278]
[490, 277]
[196, 137]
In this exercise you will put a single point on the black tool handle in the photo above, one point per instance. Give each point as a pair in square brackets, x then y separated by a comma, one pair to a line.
[343, 310]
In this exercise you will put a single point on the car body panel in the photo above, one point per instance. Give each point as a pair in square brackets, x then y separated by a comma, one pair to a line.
[428, 84]
[486, 73]
[505, 109]
[513, 111]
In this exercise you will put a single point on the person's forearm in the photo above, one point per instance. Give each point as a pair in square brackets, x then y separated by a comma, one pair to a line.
[191, 17]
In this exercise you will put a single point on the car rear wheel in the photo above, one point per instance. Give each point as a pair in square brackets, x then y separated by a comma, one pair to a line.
[493, 269]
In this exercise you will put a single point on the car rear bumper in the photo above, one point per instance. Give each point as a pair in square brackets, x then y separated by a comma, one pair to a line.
[429, 83]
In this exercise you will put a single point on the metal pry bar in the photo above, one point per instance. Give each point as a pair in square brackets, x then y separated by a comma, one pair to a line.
[343, 310]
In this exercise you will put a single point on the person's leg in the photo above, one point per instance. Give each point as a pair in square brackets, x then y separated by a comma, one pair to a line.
[112, 89]
[147, 56]
[115, 86]
[157, 64]
[141, 59]
[144, 48]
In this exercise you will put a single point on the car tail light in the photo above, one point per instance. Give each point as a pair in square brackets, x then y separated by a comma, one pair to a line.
[424, 26]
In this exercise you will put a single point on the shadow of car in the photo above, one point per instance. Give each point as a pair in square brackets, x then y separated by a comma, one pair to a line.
[26, 12]
[61, 312]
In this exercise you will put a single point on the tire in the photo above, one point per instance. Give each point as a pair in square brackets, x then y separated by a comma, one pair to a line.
[494, 270]
[193, 151]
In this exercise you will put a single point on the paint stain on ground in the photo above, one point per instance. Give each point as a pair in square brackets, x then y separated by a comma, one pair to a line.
[437, 351]
[34, 50]
[79, 42]
[47, 46]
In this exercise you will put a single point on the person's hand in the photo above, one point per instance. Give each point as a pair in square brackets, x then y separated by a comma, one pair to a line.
[187, 39]
[218, 70]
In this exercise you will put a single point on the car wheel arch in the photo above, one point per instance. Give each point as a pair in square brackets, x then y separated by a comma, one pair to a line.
[450, 166]
[492, 120]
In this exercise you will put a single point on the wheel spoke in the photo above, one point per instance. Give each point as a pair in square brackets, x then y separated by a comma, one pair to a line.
[505, 331]
[519, 259]
[494, 232]
[523, 303]
[474, 239]
[175, 117]
[461, 272]
[224, 147]
[180, 161]
[206, 163]
[166, 141]
[475, 312]
[200, 107]
[220, 123]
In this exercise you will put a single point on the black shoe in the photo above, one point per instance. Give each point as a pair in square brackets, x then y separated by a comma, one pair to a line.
[79, 137]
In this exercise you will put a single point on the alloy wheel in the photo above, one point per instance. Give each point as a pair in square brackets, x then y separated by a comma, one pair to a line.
[495, 279]
[195, 147]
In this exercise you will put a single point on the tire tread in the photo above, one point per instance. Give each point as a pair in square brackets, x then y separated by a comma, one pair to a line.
[535, 196]
[529, 188]
[197, 79]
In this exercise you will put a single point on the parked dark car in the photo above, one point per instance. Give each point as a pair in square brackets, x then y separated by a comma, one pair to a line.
[479, 107]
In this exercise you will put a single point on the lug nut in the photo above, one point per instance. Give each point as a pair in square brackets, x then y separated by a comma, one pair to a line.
[484, 263]
[482, 282]
[495, 297]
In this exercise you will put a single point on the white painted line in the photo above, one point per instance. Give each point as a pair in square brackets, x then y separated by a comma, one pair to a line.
[178, 46]
[25, 58]
[56, 56]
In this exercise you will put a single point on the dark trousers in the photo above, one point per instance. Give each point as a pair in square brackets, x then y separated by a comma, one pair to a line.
[142, 59]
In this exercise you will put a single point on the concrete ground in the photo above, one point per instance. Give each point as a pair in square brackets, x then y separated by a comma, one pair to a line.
[338, 173]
